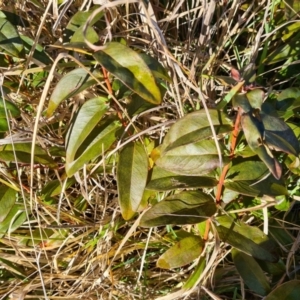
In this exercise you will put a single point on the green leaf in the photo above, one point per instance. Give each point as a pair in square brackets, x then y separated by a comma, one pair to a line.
[54, 187]
[7, 201]
[71, 84]
[23, 154]
[90, 34]
[95, 144]
[269, 186]
[12, 109]
[241, 100]
[157, 69]
[132, 172]
[251, 272]
[194, 277]
[195, 127]
[162, 180]
[13, 18]
[245, 169]
[3, 125]
[182, 253]
[78, 20]
[15, 218]
[192, 159]
[245, 176]
[9, 38]
[287, 291]
[279, 135]
[288, 50]
[287, 97]
[184, 208]
[39, 52]
[256, 98]
[130, 68]
[87, 118]
[254, 130]
[249, 239]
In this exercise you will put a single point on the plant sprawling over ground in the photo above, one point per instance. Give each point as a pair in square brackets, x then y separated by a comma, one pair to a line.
[149, 149]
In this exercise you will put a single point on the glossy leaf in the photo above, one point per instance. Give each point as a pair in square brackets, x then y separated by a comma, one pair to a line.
[270, 186]
[162, 180]
[182, 253]
[191, 159]
[86, 120]
[251, 272]
[132, 172]
[249, 239]
[9, 38]
[195, 127]
[71, 84]
[7, 201]
[157, 69]
[15, 218]
[287, 291]
[246, 177]
[241, 101]
[187, 207]
[96, 143]
[246, 169]
[256, 98]
[279, 135]
[254, 130]
[130, 68]
[23, 154]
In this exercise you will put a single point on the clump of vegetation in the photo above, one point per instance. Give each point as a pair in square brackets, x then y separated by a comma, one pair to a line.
[149, 150]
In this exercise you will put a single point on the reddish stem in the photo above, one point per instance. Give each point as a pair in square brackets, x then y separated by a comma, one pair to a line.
[234, 136]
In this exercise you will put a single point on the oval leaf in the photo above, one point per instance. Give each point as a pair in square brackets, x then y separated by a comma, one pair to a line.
[279, 135]
[254, 133]
[191, 159]
[9, 38]
[71, 84]
[286, 291]
[130, 68]
[248, 239]
[157, 69]
[87, 118]
[7, 201]
[132, 172]
[245, 177]
[15, 218]
[251, 272]
[184, 208]
[96, 143]
[182, 253]
[23, 154]
[195, 127]
[163, 180]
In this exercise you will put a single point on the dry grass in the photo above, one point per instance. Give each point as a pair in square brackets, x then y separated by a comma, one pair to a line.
[75, 243]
